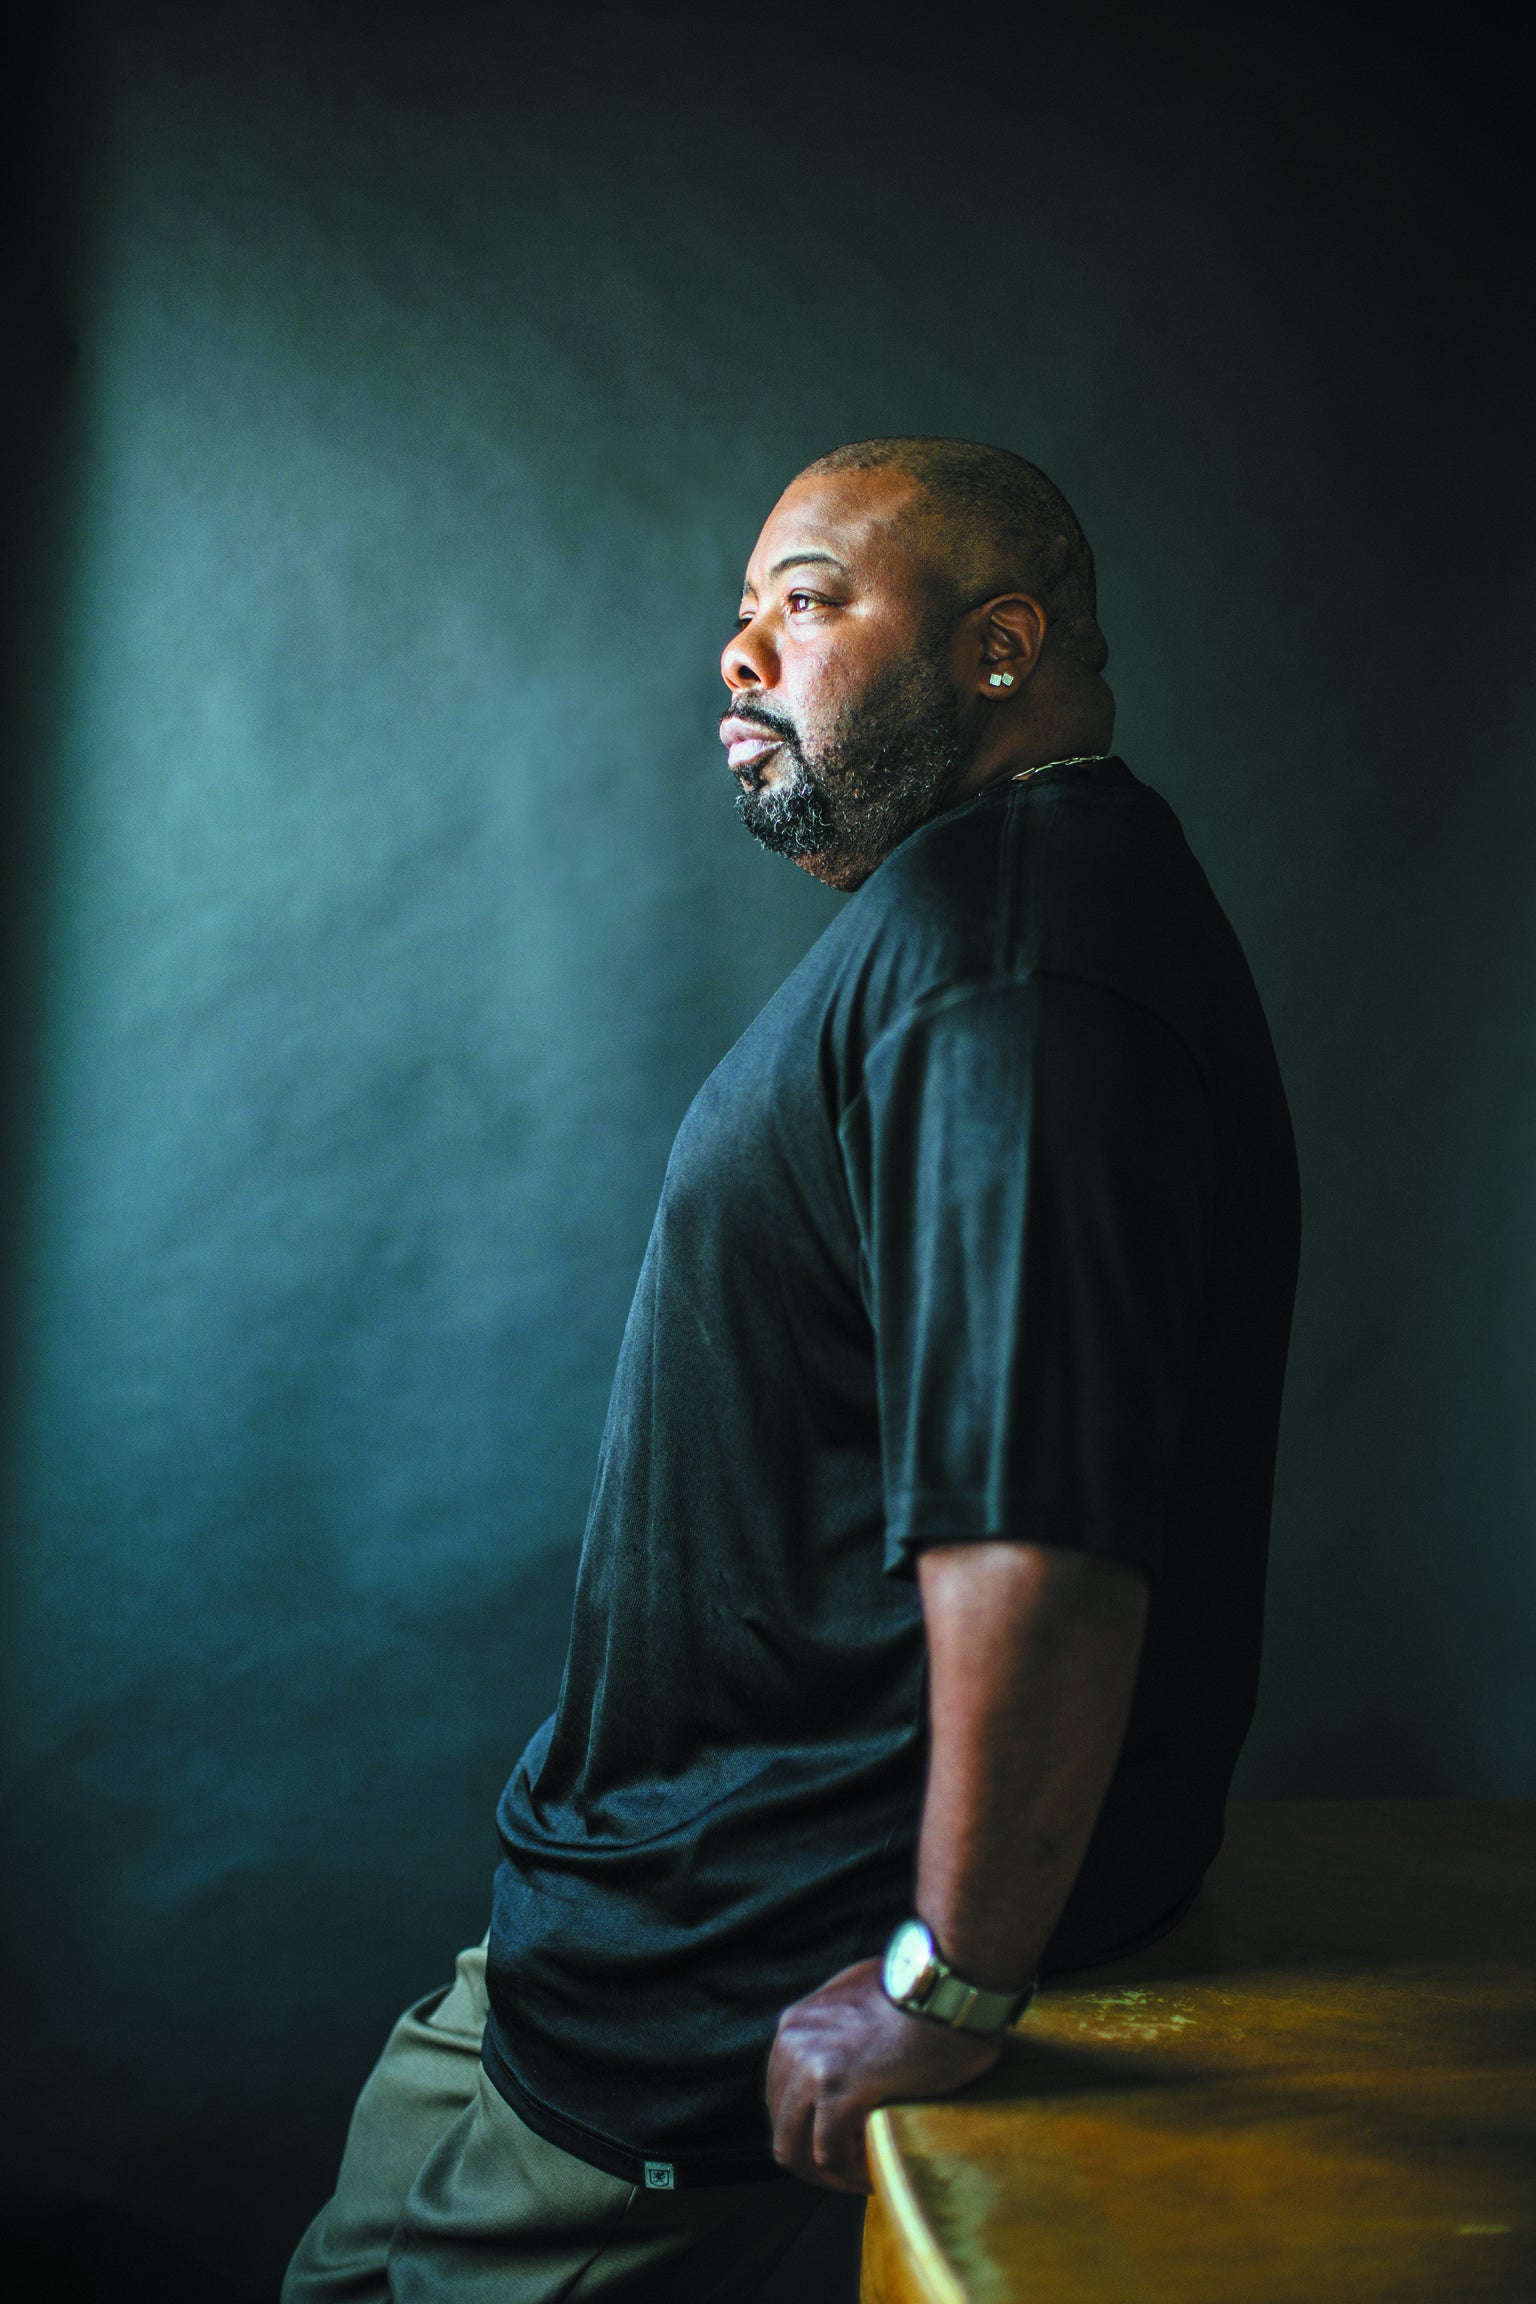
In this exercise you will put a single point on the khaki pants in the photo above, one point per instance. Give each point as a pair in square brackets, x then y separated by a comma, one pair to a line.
[446, 2197]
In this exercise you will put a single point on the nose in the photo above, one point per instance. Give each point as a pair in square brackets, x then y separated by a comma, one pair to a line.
[747, 660]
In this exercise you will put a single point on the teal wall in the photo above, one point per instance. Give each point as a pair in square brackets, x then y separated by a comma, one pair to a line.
[438, 367]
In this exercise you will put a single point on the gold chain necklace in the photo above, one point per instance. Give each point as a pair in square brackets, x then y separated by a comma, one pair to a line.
[1075, 760]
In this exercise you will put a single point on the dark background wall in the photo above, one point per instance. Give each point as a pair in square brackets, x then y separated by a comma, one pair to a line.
[437, 367]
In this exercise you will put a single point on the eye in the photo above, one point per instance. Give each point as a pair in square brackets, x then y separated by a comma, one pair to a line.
[797, 602]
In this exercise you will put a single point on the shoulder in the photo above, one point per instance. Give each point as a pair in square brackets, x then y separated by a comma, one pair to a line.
[1079, 873]
[968, 897]
[1101, 883]
[996, 884]
[1094, 817]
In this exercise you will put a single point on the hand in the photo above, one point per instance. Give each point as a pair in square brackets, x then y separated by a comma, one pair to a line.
[839, 2053]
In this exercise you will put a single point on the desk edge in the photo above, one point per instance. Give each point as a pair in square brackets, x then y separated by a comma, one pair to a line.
[926, 2259]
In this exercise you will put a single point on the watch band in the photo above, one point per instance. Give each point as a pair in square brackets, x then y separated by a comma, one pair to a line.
[917, 1978]
[967, 2008]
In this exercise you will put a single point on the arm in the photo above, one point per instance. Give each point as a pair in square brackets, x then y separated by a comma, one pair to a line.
[1032, 1660]
[1033, 1164]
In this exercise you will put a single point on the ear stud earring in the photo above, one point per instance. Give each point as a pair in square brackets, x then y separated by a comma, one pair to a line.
[999, 679]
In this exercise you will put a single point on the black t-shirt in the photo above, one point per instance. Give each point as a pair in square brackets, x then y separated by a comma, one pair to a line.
[986, 1227]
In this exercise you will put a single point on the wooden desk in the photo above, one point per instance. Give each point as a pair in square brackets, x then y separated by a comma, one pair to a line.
[1322, 2088]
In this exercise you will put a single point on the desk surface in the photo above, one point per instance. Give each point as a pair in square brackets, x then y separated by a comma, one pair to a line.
[1322, 2087]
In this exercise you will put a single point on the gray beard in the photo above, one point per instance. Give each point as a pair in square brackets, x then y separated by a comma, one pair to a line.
[895, 760]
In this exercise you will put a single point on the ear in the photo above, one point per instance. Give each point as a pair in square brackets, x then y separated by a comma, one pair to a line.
[1010, 633]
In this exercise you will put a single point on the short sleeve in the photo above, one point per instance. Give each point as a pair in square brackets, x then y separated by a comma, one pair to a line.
[1033, 1167]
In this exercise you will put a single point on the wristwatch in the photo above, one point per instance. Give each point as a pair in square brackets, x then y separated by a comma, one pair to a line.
[917, 1977]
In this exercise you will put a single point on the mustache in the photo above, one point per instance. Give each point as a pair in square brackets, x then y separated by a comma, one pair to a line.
[760, 717]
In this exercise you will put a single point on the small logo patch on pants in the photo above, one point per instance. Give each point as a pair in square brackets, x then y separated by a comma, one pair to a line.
[659, 2176]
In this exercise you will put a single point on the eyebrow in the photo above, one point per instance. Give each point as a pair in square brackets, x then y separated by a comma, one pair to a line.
[801, 560]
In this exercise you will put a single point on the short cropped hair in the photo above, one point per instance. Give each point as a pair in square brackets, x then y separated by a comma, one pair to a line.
[1000, 526]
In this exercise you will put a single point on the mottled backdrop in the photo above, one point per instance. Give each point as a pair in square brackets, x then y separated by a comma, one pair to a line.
[437, 365]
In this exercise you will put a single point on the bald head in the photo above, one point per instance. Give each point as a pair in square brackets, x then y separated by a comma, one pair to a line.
[987, 522]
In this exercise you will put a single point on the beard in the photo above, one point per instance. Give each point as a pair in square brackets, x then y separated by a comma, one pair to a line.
[893, 760]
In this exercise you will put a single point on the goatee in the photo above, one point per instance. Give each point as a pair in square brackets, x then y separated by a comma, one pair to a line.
[894, 760]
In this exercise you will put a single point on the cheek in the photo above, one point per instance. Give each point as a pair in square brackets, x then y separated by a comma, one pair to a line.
[819, 681]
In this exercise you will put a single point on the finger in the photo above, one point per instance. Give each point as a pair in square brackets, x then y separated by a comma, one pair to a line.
[793, 2129]
[838, 2150]
[791, 2088]
[780, 2067]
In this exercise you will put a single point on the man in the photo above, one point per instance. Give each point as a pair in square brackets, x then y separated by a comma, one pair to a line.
[920, 1599]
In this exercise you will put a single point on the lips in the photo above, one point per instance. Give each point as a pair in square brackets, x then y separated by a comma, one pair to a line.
[747, 743]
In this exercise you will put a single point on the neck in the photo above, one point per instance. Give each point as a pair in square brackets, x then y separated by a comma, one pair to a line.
[1062, 712]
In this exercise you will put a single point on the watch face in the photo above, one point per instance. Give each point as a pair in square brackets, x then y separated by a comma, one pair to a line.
[908, 1957]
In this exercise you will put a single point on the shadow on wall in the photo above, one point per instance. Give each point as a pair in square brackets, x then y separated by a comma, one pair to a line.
[77, 2252]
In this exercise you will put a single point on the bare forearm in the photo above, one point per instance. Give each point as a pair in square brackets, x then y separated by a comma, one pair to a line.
[1032, 1661]
[1032, 1658]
